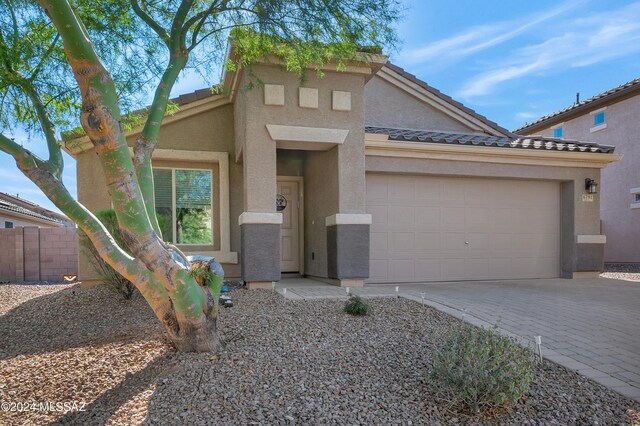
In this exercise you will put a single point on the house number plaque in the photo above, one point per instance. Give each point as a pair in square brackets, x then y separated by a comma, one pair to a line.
[281, 202]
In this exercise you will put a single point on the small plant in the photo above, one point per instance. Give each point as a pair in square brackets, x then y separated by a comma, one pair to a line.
[479, 371]
[110, 276]
[356, 306]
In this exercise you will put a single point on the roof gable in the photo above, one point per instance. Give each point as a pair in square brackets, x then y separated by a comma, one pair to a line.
[422, 100]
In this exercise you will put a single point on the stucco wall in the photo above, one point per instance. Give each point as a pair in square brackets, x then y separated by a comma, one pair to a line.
[620, 223]
[388, 106]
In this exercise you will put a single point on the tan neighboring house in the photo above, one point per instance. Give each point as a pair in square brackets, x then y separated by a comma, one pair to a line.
[611, 118]
[364, 175]
[17, 212]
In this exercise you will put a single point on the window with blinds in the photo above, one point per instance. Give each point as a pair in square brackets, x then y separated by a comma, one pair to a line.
[183, 205]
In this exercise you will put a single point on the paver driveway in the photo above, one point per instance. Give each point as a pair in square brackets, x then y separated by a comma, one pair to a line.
[588, 325]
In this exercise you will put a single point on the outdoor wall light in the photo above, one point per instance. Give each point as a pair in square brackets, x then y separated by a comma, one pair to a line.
[591, 186]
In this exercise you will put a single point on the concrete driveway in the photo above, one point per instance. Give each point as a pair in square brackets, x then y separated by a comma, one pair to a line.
[588, 325]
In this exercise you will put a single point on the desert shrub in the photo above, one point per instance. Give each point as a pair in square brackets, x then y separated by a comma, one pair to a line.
[479, 370]
[356, 306]
[110, 276]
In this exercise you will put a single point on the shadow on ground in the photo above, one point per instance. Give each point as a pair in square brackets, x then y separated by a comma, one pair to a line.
[72, 318]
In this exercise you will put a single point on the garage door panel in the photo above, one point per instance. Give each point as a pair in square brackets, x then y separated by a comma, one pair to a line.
[427, 241]
[477, 218]
[453, 191]
[428, 269]
[436, 228]
[452, 218]
[476, 269]
[378, 270]
[401, 270]
[427, 193]
[453, 241]
[402, 241]
[379, 217]
[452, 269]
[401, 188]
[427, 218]
[401, 218]
[477, 241]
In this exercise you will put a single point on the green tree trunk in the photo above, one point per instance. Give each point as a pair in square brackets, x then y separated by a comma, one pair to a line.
[186, 308]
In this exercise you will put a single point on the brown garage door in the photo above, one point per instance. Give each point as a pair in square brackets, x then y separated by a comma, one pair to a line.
[446, 229]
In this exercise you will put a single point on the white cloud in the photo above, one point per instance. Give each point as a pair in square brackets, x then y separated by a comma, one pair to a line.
[479, 38]
[583, 42]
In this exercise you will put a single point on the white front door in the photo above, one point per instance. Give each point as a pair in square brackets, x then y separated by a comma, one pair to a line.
[289, 231]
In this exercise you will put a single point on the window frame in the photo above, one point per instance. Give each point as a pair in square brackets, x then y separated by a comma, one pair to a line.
[9, 222]
[601, 112]
[174, 224]
[596, 116]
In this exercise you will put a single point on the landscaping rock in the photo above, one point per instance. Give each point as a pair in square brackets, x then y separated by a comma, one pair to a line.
[303, 362]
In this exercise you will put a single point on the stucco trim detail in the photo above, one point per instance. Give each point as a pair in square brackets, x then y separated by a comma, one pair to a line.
[485, 154]
[591, 239]
[598, 128]
[261, 218]
[348, 219]
[307, 134]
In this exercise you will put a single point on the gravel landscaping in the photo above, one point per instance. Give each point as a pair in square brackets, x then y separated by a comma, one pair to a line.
[286, 363]
[622, 271]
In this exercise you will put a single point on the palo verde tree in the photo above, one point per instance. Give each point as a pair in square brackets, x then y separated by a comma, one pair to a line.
[61, 59]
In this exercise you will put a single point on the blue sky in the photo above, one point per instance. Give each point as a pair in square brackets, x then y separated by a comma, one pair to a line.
[512, 61]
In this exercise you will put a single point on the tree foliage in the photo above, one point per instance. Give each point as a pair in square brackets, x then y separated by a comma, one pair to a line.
[64, 62]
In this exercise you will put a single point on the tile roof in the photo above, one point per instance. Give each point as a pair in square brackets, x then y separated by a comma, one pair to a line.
[590, 103]
[446, 98]
[515, 141]
[11, 207]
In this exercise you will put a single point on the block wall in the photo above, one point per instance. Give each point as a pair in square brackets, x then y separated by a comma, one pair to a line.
[37, 254]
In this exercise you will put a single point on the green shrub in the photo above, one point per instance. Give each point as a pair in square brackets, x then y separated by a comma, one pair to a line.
[356, 306]
[111, 278]
[479, 370]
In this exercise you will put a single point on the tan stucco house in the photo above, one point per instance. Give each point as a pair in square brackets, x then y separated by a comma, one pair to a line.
[365, 175]
[611, 118]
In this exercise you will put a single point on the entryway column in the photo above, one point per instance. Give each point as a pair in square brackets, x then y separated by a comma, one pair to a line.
[260, 223]
[348, 248]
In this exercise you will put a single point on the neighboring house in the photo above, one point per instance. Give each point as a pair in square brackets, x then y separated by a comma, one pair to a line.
[611, 118]
[368, 174]
[17, 212]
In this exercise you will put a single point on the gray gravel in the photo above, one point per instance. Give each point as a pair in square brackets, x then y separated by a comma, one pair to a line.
[622, 271]
[302, 362]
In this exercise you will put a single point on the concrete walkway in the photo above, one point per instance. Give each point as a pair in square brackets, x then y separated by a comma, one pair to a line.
[588, 325]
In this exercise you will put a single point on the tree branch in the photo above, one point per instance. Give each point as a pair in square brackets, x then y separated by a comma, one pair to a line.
[46, 55]
[55, 163]
[161, 32]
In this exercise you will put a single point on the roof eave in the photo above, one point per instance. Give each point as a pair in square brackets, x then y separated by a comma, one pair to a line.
[580, 109]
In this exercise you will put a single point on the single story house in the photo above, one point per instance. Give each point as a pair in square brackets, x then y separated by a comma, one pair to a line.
[367, 174]
[17, 212]
[608, 118]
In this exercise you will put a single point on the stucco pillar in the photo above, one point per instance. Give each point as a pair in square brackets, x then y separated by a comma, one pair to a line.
[348, 229]
[260, 223]
[582, 246]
